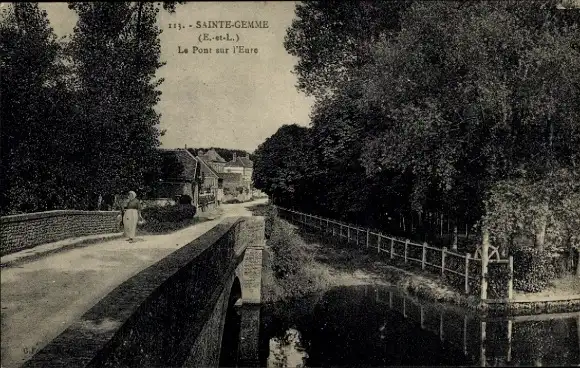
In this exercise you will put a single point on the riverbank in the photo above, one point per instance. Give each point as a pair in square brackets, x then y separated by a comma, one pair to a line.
[299, 262]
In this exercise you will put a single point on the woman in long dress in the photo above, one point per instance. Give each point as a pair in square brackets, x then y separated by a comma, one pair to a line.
[131, 216]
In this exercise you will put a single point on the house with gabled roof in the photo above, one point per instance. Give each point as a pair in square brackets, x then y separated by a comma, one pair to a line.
[210, 178]
[241, 165]
[213, 159]
[180, 172]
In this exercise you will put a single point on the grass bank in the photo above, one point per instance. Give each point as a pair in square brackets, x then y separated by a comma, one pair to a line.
[298, 263]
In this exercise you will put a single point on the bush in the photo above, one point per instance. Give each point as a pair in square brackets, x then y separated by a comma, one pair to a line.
[498, 277]
[185, 199]
[168, 218]
[533, 269]
[169, 213]
[289, 258]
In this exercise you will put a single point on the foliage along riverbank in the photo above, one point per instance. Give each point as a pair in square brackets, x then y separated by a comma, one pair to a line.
[299, 263]
[296, 264]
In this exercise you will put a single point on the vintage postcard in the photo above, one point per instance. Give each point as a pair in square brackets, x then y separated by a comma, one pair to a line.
[290, 184]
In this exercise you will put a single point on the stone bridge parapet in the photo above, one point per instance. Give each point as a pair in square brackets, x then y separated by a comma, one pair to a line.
[18, 232]
[173, 312]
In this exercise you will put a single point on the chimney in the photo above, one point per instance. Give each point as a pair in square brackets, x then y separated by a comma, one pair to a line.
[235, 157]
[186, 146]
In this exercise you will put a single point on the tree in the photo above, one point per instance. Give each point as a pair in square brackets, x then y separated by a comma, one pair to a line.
[463, 107]
[35, 107]
[226, 153]
[115, 50]
[331, 38]
[427, 112]
[281, 163]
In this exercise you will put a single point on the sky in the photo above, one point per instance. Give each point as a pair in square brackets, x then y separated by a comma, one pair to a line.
[222, 100]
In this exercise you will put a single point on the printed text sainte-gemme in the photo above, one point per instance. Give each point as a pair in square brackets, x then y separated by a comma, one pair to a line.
[232, 24]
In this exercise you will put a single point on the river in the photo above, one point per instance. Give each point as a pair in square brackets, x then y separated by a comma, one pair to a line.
[378, 326]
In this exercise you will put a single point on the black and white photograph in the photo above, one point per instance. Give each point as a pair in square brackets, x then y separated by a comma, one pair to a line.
[379, 183]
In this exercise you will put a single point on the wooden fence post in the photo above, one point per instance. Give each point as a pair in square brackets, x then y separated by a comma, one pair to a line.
[511, 279]
[482, 338]
[484, 261]
[465, 335]
[406, 246]
[357, 235]
[379, 243]
[424, 256]
[443, 260]
[466, 273]
[327, 225]
[454, 240]
[367, 238]
[348, 234]
[392, 248]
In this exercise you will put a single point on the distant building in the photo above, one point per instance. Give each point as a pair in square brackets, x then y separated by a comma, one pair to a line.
[235, 187]
[179, 175]
[241, 165]
[210, 178]
[213, 159]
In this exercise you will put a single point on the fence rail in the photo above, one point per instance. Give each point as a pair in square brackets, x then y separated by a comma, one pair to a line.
[464, 270]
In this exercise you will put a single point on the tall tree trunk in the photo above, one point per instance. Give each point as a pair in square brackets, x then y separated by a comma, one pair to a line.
[541, 230]
[578, 267]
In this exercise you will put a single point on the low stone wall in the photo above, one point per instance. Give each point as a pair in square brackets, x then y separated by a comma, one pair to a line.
[23, 231]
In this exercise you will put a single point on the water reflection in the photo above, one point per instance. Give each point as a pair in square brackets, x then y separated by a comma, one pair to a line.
[287, 351]
[378, 326]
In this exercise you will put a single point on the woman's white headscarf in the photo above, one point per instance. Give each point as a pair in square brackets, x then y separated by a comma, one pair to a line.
[132, 195]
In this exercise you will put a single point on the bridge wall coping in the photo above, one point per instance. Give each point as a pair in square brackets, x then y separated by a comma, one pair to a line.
[55, 213]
